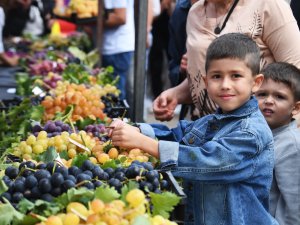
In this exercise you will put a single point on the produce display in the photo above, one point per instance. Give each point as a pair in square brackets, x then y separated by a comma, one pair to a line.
[58, 165]
[82, 8]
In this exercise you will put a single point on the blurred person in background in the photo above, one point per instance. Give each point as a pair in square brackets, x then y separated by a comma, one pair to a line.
[177, 47]
[26, 17]
[159, 49]
[4, 59]
[295, 5]
[270, 23]
[119, 39]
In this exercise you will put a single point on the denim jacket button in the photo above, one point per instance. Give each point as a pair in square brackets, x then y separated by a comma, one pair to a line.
[191, 140]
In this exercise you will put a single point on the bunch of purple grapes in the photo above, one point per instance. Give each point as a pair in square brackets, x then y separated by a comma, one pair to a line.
[48, 180]
[98, 130]
[53, 128]
[52, 81]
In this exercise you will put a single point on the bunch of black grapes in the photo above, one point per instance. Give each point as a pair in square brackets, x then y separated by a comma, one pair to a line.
[98, 130]
[53, 128]
[114, 106]
[48, 180]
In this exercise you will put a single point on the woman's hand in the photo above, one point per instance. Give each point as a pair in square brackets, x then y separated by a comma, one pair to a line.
[164, 105]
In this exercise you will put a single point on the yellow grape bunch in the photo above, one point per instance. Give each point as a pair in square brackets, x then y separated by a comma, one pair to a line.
[86, 100]
[73, 143]
[113, 153]
[62, 87]
[111, 213]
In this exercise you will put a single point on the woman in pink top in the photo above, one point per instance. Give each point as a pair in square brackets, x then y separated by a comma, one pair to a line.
[269, 22]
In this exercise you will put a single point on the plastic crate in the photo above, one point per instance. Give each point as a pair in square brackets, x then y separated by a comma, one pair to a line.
[119, 111]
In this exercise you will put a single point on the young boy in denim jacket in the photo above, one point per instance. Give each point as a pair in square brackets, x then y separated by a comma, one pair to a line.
[279, 101]
[225, 159]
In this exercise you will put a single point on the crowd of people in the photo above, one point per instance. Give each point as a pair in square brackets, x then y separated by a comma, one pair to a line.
[236, 64]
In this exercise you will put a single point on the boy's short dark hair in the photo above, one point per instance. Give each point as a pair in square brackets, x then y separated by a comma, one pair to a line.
[285, 73]
[236, 46]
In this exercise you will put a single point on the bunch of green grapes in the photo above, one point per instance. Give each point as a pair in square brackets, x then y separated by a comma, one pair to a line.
[72, 143]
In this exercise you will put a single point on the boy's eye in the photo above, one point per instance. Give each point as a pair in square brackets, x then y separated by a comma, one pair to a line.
[260, 94]
[215, 76]
[236, 75]
[280, 97]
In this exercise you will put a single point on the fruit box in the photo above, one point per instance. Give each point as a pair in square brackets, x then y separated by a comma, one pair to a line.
[120, 111]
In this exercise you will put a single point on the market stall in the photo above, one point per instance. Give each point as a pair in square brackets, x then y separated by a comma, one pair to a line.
[57, 162]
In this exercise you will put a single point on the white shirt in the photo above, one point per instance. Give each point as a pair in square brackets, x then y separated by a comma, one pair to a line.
[119, 39]
[35, 24]
[2, 20]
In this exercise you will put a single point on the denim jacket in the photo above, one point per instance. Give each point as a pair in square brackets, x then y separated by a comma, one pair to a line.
[226, 162]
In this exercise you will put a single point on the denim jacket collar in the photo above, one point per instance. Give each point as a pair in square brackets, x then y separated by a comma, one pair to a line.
[249, 107]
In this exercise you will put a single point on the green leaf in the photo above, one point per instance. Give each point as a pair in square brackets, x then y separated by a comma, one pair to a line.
[164, 203]
[141, 220]
[126, 188]
[79, 159]
[92, 58]
[106, 194]
[46, 209]
[81, 124]
[37, 112]
[82, 195]
[77, 53]
[49, 155]
[25, 205]
[110, 163]
[9, 214]
[27, 220]
[64, 155]
[3, 187]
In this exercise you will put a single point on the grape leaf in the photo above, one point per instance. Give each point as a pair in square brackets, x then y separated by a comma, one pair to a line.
[141, 220]
[106, 194]
[36, 112]
[79, 159]
[164, 203]
[82, 195]
[81, 124]
[126, 188]
[3, 187]
[25, 205]
[46, 209]
[64, 155]
[9, 214]
[49, 155]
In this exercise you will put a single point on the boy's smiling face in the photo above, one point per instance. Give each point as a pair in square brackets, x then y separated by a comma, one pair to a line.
[230, 83]
[277, 103]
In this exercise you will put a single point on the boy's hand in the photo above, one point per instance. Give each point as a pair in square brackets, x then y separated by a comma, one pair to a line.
[125, 135]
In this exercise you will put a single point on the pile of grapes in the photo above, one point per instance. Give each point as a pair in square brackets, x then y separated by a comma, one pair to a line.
[97, 130]
[53, 128]
[48, 180]
[33, 146]
[114, 106]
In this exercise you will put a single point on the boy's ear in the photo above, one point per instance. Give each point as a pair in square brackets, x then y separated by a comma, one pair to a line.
[296, 108]
[258, 80]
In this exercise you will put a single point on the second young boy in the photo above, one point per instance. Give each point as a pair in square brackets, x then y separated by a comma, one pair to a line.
[279, 101]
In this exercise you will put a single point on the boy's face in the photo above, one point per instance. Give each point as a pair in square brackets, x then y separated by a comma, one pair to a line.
[276, 102]
[230, 83]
